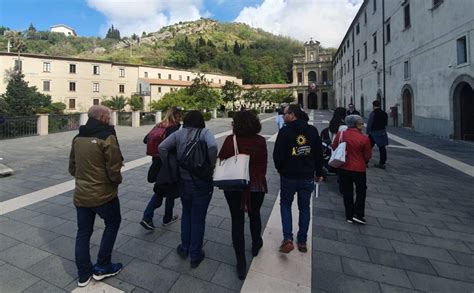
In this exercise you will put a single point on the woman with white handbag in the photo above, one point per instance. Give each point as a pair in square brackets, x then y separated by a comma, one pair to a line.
[352, 168]
[245, 145]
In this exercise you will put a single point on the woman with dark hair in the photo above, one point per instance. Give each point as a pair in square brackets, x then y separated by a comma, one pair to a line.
[195, 190]
[165, 128]
[246, 127]
[337, 121]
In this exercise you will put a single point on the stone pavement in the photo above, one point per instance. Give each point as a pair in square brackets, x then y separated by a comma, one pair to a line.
[419, 234]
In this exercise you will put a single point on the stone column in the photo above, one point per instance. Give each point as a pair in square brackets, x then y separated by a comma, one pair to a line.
[158, 117]
[135, 118]
[42, 125]
[113, 118]
[214, 113]
[83, 119]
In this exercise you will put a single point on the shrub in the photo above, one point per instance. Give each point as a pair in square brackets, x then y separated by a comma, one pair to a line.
[57, 108]
[269, 110]
[207, 116]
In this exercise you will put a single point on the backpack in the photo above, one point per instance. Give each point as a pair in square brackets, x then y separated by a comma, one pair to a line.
[195, 158]
[155, 137]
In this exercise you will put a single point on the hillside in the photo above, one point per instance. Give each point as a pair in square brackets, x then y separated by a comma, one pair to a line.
[252, 54]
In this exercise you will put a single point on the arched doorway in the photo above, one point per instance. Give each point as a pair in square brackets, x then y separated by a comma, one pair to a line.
[313, 101]
[464, 111]
[407, 107]
[362, 107]
[311, 76]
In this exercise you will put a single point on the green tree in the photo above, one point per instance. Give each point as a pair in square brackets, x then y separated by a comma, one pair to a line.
[16, 41]
[113, 33]
[135, 102]
[236, 48]
[117, 103]
[231, 92]
[280, 96]
[253, 96]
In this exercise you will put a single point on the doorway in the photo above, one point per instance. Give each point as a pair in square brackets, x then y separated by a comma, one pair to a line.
[325, 101]
[464, 111]
[313, 101]
[407, 108]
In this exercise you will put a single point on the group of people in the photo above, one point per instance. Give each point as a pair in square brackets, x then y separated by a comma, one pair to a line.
[96, 161]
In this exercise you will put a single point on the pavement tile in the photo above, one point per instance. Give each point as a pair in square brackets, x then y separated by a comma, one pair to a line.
[23, 256]
[68, 228]
[170, 239]
[461, 227]
[55, 270]
[342, 249]
[444, 233]
[401, 261]
[22, 214]
[190, 284]
[46, 222]
[364, 240]
[35, 236]
[453, 271]
[386, 233]
[218, 235]
[144, 250]
[220, 252]
[56, 210]
[393, 289]
[422, 251]
[148, 276]
[7, 242]
[205, 271]
[44, 287]
[226, 276]
[136, 231]
[13, 279]
[437, 217]
[420, 221]
[324, 232]
[464, 259]
[338, 224]
[437, 284]
[327, 261]
[375, 272]
[337, 282]
[121, 285]
[382, 207]
[440, 242]
[396, 225]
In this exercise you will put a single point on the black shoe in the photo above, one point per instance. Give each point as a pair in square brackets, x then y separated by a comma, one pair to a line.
[195, 263]
[380, 166]
[360, 220]
[181, 251]
[256, 248]
[242, 271]
[147, 225]
[84, 281]
[111, 270]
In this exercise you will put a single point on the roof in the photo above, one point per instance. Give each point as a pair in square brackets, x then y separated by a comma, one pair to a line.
[63, 25]
[66, 58]
[271, 86]
[172, 82]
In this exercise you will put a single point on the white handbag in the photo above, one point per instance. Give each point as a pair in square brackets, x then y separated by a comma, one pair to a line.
[338, 156]
[232, 173]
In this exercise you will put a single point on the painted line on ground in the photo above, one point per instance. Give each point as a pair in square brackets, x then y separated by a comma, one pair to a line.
[458, 165]
[52, 191]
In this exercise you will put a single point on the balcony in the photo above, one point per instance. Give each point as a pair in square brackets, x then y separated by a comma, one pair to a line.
[142, 94]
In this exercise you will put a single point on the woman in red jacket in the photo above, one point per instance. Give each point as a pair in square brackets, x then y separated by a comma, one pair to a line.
[246, 125]
[358, 153]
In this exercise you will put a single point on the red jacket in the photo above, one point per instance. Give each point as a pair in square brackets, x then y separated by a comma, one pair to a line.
[256, 147]
[358, 149]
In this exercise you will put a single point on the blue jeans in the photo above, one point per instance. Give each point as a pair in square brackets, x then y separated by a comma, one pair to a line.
[195, 198]
[304, 188]
[110, 213]
[155, 202]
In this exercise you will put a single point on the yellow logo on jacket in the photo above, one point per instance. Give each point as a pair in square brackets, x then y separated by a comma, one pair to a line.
[301, 149]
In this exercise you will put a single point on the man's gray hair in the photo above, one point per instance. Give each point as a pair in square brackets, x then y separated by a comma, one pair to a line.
[352, 121]
[97, 111]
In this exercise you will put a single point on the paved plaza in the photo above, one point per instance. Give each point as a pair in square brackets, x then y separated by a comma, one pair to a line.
[419, 234]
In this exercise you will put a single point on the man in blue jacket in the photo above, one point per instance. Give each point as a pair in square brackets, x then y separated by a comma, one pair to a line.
[298, 158]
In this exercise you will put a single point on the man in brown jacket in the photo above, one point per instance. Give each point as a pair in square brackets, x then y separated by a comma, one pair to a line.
[95, 162]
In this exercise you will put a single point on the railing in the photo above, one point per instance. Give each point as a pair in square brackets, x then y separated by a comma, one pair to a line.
[147, 118]
[142, 93]
[13, 127]
[124, 118]
[62, 123]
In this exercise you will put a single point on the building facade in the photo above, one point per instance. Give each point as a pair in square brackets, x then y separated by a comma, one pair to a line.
[415, 56]
[64, 29]
[81, 83]
[312, 78]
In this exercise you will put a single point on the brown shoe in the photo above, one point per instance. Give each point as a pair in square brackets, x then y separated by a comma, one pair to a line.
[286, 246]
[302, 247]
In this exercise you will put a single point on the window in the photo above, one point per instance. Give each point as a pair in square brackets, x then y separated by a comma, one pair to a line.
[348, 43]
[95, 87]
[188, 78]
[121, 88]
[46, 85]
[300, 77]
[159, 89]
[461, 45]
[365, 17]
[375, 42]
[344, 50]
[72, 86]
[159, 75]
[387, 32]
[18, 65]
[406, 70]
[374, 6]
[406, 14]
[344, 68]
[357, 29]
[358, 57]
[171, 89]
[169, 76]
[325, 76]
[72, 68]
[180, 77]
[365, 51]
[96, 69]
[146, 74]
[348, 66]
[46, 67]
[378, 78]
[121, 72]
[220, 81]
[95, 101]
[437, 3]
[72, 104]
[361, 84]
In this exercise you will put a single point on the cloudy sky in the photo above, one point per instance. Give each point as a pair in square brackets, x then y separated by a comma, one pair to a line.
[323, 20]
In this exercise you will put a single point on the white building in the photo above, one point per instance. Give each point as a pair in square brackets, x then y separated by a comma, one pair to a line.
[62, 28]
[416, 56]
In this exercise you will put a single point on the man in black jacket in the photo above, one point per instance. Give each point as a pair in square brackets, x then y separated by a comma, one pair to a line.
[298, 158]
[376, 129]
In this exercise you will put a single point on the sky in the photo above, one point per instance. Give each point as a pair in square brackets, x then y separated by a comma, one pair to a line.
[323, 20]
